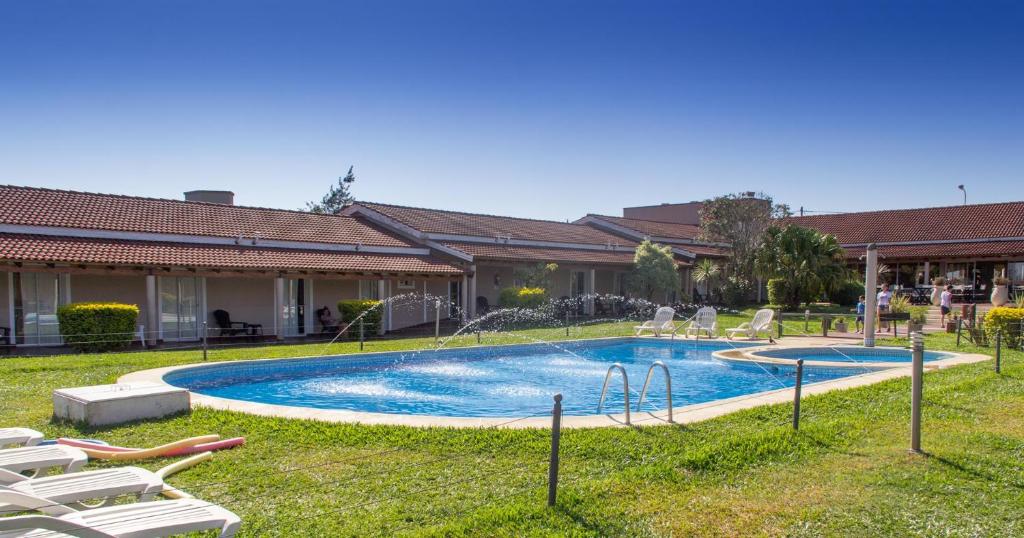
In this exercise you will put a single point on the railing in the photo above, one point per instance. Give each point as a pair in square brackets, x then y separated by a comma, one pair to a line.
[625, 387]
[668, 387]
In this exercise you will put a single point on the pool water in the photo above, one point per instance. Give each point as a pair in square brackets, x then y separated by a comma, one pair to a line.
[849, 354]
[498, 381]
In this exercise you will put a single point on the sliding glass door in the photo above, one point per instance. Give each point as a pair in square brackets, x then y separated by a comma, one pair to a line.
[36, 299]
[294, 307]
[179, 308]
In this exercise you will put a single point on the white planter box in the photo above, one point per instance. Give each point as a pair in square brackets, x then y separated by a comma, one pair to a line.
[100, 405]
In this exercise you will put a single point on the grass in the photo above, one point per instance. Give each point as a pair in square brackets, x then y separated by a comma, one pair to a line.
[845, 473]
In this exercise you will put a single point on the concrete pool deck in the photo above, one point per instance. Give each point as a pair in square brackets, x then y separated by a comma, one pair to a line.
[681, 415]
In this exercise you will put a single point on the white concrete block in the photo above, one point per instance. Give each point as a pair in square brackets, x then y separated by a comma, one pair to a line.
[115, 404]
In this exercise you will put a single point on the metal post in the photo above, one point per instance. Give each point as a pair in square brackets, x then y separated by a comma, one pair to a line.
[437, 321]
[796, 393]
[999, 348]
[778, 317]
[916, 391]
[204, 341]
[478, 335]
[959, 326]
[807, 319]
[566, 321]
[556, 434]
[362, 334]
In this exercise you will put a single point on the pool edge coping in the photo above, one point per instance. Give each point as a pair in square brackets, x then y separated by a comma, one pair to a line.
[681, 415]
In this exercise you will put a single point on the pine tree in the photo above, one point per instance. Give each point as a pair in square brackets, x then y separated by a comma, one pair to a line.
[336, 198]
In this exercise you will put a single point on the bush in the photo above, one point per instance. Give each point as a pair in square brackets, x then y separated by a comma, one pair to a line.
[919, 314]
[350, 309]
[778, 292]
[736, 292]
[522, 297]
[95, 327]
[1005, 319]
[847, 293]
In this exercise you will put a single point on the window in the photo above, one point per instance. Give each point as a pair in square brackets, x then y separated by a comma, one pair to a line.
[368, 289]
[179, 308]
[36, 299]
[1015, 272]
[294, 307]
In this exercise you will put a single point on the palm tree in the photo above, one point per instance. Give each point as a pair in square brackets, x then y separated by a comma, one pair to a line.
[808, 261]
[706, 271]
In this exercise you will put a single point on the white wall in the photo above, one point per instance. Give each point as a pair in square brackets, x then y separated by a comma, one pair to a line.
[247, 299]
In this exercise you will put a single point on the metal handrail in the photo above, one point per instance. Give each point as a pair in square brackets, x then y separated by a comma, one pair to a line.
[625, 387]
[668, 387]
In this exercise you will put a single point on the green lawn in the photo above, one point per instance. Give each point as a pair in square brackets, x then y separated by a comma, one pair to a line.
[847, 472]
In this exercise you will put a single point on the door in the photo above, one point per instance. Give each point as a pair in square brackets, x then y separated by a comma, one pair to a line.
[294, 307]
[179, 308]
[36, 299]
[454, 298]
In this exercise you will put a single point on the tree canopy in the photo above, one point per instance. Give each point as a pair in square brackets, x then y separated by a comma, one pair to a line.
[337, 197]
[809, 261]
[535, 276]
[740, 220]
[654, 272]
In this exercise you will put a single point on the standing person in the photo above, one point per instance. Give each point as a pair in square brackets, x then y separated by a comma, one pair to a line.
[884, 297]
[946, 303]
[860, 314]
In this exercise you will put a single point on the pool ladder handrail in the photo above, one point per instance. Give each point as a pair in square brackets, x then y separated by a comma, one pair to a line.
[625, 387]
[668, 387]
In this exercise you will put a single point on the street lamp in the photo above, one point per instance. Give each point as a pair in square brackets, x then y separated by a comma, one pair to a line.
[961, 187]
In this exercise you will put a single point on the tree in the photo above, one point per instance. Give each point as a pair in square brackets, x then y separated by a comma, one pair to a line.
[654, 271]
[739, 220]
[336, 198]
[808, 261]
[706, 271]
[536, 276]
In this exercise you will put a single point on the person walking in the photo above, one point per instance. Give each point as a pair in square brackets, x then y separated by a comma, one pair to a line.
[884, 297]
[946, 303]
[860, 314]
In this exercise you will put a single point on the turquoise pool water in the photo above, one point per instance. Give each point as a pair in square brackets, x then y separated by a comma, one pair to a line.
[850, 354]
[498, 381]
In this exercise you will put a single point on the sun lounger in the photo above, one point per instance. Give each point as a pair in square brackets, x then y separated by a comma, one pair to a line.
[762, 322]
[662, 322]
[19, 437]
[140, 520]
[97, 488]
[39, 459]
[705, 320]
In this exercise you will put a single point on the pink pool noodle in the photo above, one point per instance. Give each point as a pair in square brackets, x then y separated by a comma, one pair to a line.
[205, 447]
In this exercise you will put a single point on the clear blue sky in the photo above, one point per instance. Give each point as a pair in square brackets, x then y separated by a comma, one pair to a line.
[543, 109]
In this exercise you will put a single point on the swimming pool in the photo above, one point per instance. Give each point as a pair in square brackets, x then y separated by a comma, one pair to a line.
[495, 381]
[847, 354]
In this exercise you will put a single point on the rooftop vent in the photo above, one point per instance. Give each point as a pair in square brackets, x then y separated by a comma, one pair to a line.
[211, 197]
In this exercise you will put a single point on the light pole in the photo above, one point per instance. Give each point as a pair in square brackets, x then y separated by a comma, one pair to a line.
[961, 187]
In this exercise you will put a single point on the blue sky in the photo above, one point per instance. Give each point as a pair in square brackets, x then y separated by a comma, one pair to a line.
[540, 109]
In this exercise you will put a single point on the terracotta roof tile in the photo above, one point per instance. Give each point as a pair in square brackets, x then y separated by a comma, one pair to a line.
[38, 248]
[70, 209]
[977, 221]
[623, 256]
[472, 224]
[654, 228]
[935, 251]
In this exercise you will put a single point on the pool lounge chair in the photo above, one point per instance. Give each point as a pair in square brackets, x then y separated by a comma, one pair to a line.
[762, 322]
[19, 437]
[147, 519]
[662, 322]
[39, 459]
[99, 488]
[705, 320]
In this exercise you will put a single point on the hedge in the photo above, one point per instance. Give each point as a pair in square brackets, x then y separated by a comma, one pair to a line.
[522, 297]
[778, 292]
[1008, 320]
[847, 293]
[94, 327]
[350, 309]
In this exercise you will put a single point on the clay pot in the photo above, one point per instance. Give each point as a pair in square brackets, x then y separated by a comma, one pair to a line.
[1000, 295]
[936, 295]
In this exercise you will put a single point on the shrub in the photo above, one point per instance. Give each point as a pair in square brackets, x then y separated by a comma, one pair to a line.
[350, 309]
[847, 293]
[1005, 319]
[94, 327]
[899, 304]
[919, 314]
[778, 292]
[736, 291]
[522, 297]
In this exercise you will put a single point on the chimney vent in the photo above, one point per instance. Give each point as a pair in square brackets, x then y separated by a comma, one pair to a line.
[212, 197]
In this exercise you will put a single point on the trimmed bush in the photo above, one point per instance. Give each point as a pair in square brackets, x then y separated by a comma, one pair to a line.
[847, 293]
[522, 297]
[95, 327]
[736, 292]
[350, 309]
[1009, 321]
[778, 292]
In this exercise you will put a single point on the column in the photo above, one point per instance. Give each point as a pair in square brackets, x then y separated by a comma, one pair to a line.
[152, 312]
[472, 292]
[870, 295]
[385, 315]
[927, 273]
[464, 297]
[279, 302]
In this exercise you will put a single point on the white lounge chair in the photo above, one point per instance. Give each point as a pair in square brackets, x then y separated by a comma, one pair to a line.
[102, 487]
[662, 322]
[705, 320]
[762, 322]
[140, 520]
[39, 459]
[19, 437]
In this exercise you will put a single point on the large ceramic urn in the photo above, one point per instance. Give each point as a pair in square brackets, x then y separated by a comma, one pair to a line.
[936, 295]
[1000, 295]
